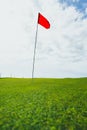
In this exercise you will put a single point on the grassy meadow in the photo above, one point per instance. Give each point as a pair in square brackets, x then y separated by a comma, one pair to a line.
[44, 104]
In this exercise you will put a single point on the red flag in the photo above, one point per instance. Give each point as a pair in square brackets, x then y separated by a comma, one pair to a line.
[43, 21]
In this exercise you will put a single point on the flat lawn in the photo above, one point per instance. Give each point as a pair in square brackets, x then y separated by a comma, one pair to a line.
[44, 104]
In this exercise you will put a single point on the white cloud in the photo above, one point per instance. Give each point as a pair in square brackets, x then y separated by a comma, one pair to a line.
[86, 10]
[61, 50]
[75, 0]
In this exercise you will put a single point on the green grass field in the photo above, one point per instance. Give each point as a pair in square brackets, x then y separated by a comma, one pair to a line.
[45, 104]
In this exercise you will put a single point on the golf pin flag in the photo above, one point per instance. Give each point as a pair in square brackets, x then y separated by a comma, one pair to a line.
[43, 21]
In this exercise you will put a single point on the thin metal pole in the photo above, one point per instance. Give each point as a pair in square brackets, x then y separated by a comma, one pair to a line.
[35, 51]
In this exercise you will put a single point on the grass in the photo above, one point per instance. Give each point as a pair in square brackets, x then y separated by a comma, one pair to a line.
[44, 104]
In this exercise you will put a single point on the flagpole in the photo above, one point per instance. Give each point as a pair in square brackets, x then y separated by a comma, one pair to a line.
[35, 51]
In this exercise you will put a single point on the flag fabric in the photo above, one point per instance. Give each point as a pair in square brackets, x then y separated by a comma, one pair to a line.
[43, 21]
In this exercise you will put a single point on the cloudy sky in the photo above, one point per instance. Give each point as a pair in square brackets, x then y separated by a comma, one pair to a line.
[61, 50]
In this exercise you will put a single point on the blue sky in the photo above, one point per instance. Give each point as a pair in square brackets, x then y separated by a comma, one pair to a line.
[81, 5]
[61, 50]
